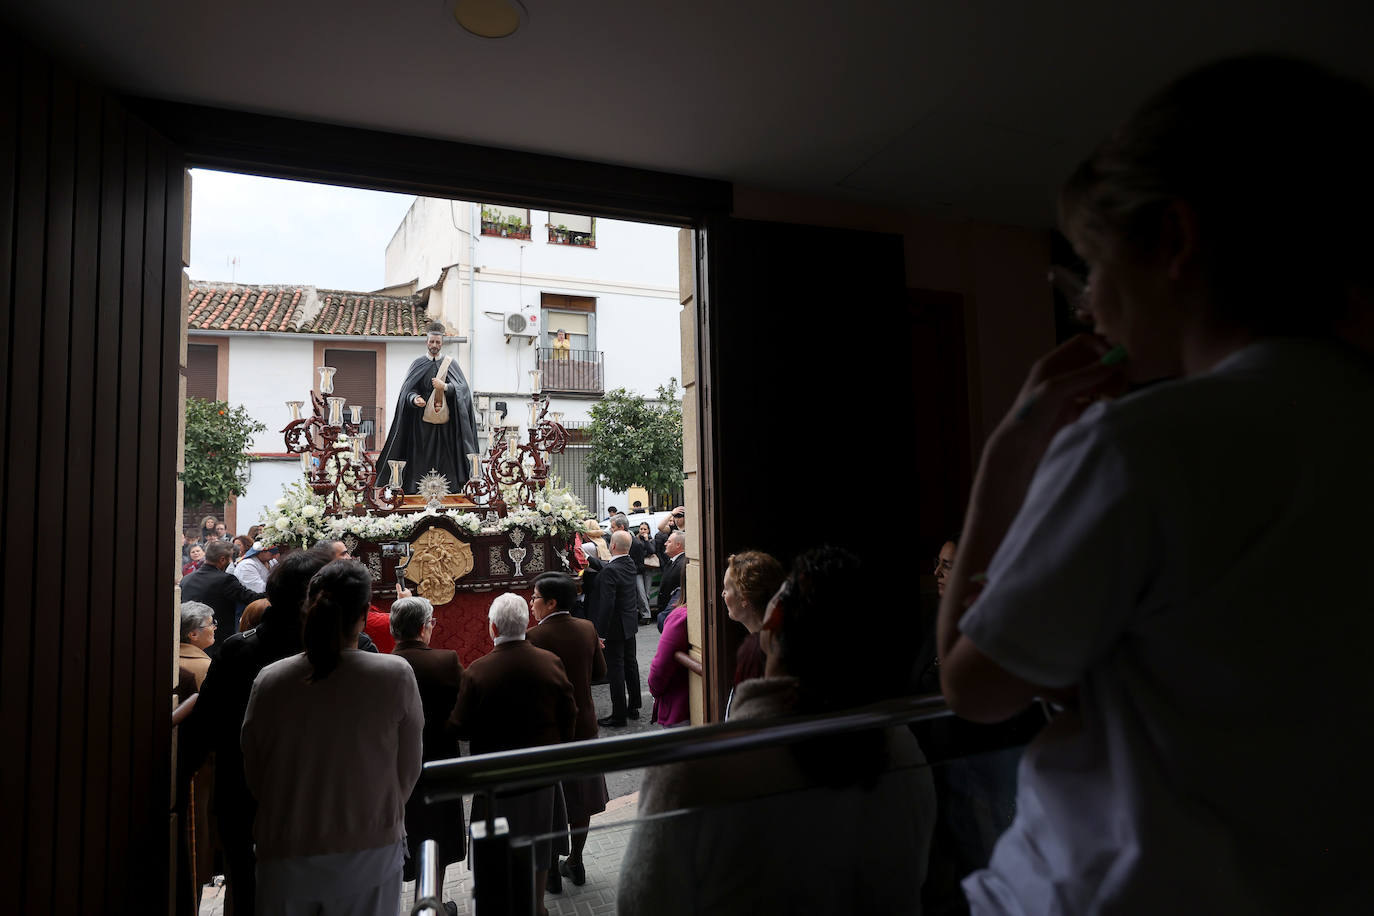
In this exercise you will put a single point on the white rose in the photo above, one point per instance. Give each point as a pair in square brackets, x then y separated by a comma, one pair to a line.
[281, 503]
[567, 513]
[282, 523]
[546, 508]
[309, 511]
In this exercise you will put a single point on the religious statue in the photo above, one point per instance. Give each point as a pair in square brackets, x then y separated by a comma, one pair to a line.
[434, 427]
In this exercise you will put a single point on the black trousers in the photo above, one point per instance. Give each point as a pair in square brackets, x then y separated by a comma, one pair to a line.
[622, 673]
[240, 865]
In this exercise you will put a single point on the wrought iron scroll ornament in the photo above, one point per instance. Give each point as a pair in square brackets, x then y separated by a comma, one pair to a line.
[337, 466]
[335, 463]
[513, 467]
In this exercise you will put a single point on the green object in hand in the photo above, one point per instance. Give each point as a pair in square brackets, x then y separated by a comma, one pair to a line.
[1114, 356]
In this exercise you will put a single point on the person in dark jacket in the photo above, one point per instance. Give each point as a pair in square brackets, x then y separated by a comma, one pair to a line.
[613, 609]
[213, 586]
[217, 719]
[576, 644]
[675, 550]
[439, 674]
[639, 550]
[518, 695]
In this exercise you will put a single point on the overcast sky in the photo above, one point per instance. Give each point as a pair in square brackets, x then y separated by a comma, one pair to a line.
[290, 231]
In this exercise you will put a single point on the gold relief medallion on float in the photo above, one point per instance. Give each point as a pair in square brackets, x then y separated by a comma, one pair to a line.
[437, 558]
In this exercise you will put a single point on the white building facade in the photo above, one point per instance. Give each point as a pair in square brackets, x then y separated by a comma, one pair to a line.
[612, 285]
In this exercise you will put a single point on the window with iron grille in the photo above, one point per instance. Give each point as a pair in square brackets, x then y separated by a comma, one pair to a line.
[570, 466]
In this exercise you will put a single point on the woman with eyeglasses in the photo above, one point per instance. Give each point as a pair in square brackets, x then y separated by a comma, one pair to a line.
[1134, 559]
[198, 625]
[739, 833]
[331, 751]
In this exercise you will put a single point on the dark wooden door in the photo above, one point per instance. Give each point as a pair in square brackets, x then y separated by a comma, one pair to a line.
[90, 270]
[808, 423]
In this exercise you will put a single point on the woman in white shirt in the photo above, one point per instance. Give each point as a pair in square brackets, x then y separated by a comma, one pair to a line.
[1182, 568]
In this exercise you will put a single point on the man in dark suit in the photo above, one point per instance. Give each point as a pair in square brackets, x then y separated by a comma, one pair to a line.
[638, 551]
[438, 672]
[576, 644]
[675, 549]
[213, 586]
[615, 612]
[517, 695]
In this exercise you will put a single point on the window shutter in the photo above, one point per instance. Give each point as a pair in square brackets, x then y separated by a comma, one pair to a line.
[356, 382]
[202, 371]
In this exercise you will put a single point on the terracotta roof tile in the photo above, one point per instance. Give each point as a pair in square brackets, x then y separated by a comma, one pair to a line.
[239, 307]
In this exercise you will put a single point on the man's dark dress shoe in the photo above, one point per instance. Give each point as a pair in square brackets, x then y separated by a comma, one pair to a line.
[632, 712]
[611, 722]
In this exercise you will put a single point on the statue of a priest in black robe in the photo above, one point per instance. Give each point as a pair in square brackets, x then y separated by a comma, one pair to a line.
[424, 446]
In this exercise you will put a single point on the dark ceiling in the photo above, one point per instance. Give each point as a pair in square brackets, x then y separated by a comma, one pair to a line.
[971, 109]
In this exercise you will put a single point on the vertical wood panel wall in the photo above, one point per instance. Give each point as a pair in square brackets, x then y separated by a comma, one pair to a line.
[90, 270]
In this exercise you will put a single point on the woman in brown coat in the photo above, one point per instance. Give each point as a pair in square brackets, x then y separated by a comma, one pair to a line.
[575, 642]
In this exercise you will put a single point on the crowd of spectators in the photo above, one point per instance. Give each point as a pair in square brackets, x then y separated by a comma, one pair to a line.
[1116, 564]
[301, 686]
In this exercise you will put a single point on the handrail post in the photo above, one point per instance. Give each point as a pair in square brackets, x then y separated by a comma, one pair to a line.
[521, 876]
[427, 889]
[491, 867]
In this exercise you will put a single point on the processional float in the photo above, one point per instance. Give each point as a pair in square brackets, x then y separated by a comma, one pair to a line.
[487, 537]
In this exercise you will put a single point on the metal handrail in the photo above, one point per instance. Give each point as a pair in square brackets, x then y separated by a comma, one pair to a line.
[444, 780]
[427, 900]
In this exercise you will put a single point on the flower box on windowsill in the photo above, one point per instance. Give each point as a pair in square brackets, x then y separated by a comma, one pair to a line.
[505, 231]
[575, 239]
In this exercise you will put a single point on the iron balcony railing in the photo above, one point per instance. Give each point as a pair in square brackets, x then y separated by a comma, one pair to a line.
[571, 371]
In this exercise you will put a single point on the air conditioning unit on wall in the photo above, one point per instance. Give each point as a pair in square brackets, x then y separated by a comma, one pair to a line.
[524, 323]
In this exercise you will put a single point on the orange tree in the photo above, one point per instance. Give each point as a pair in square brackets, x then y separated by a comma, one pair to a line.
[217, 436]
[636, 442]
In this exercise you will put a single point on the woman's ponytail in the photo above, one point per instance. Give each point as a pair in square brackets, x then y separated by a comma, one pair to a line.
[338, 598]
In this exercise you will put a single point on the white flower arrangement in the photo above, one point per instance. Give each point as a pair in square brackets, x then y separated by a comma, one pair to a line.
[298, 518]
[557, 511]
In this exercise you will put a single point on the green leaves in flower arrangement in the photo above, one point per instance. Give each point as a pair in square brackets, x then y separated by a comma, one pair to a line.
[217, 436]
[636, 442]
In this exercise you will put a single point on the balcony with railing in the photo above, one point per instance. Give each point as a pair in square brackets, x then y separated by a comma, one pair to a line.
[571, 371]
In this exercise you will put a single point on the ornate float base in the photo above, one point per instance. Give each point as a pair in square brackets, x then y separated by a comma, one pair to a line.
[460, 574]
[413, 502]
